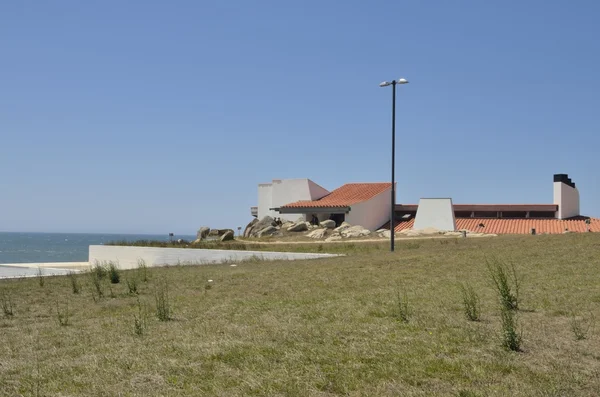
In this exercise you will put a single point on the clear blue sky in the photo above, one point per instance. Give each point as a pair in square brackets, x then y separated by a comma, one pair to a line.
[157, 117]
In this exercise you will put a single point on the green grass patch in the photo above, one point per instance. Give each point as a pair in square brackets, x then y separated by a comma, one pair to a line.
[325, 327]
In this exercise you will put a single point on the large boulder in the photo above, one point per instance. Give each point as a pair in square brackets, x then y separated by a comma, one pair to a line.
[328, 224]
[384, 233]
[298, 227]
[202, 233]
[267, 231]
[343, 226]
[219, 232]
[262, 224]
[317, 234]
[228, 235]
[250, 227]
[355, 231]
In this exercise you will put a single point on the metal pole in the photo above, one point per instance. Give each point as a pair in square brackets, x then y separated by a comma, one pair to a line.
[393, 200]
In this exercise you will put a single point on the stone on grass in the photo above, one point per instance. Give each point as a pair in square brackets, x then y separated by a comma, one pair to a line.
[328, 224]
[317, 234]
[227, 236]
[343, 226]
[267, 231]
[355, 231]
[335, 237]
[261, 225]
[250, 227]
[298, 227]
[202, 232]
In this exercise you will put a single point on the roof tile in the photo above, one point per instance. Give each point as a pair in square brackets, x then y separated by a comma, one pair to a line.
[516, 226]
[344, 196]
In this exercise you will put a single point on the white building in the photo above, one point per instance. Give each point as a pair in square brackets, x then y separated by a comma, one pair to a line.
[368, 205]
[365, 204]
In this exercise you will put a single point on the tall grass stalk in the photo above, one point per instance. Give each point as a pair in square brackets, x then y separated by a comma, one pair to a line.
[580, 327]
[75, 285]
[142, 270]
[140, 320]
[471, 303]
[62, 315]
[511, 338]
[113, 273]
[132, 286]
[163, 304]
[7, 305]
[97, 283]
[40, 277]
[506, 282]
[403, 311]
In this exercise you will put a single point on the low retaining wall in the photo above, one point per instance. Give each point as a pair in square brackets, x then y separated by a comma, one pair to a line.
[128, 257]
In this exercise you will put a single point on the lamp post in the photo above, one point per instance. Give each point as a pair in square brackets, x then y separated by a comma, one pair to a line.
[393, 83]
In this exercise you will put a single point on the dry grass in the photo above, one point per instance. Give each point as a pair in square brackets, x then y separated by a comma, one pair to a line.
[317, 328]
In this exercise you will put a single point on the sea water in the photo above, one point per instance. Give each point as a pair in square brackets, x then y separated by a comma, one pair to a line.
[61, 247]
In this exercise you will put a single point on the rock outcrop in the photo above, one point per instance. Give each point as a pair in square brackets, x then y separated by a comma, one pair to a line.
[202, 233]
[335, 237]
[228, 235]
[328, 224]
[250, 227]
[343, 226]
[317, 234]
[256, 226]
[354, 232]
[300, 226]
[267, 231]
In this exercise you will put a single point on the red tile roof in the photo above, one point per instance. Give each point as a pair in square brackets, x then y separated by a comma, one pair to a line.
[515, 226]
[345, 196]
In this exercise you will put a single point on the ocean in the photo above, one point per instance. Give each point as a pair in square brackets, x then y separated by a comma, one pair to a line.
[61, 247]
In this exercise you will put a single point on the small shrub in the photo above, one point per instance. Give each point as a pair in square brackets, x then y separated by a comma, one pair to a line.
[75, 286]
[111, 292]
[511, 338]
[132, 286]
[471, 303]
[506, 282]
[140, 320]
[402, 307]
[7, 305]
[40, 277]
[99, 270]
[163, 305]
[62, 315]
[579, 327]
[142, 270]
[113, 273]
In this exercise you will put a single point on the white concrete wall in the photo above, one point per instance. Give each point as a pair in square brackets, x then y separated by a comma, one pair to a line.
[127, 257]
[265, 194]
[437, 213]
[567, 198]
[373, 213]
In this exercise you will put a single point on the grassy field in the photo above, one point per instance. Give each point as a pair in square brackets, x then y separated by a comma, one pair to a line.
[371, 323]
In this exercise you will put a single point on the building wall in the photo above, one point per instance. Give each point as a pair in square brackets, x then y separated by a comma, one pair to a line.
[127, 257]
[437, 213]
[265, 194]
[285, 191]
[567, 198]
[371, 214]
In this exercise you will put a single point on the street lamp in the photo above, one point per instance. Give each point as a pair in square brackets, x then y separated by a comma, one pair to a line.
[393, 201]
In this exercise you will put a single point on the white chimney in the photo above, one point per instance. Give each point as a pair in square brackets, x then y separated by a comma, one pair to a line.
[566, 196]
